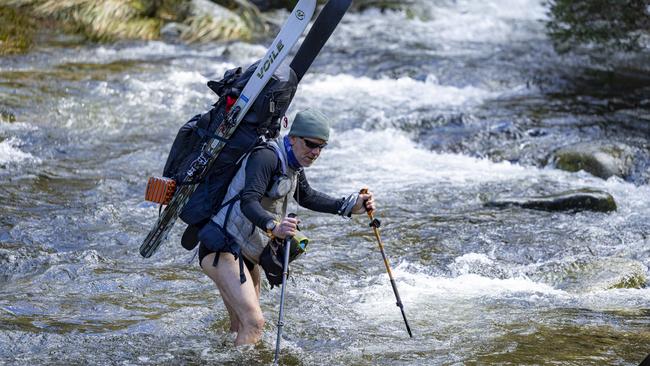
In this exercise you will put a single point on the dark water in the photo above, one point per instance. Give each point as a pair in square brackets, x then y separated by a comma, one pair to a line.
[435, 115]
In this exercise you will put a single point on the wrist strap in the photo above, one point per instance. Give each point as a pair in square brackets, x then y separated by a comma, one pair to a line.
[348, 204]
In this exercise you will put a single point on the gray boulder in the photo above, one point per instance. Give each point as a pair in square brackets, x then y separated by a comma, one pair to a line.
[585, 199]
[599, 159]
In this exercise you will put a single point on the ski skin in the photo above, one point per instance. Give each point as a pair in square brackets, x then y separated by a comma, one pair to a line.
[285, 40]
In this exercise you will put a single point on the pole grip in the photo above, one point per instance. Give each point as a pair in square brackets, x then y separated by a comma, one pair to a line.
[365, 191]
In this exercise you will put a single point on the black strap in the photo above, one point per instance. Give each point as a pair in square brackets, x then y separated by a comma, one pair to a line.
[229, 202]
[242, 276]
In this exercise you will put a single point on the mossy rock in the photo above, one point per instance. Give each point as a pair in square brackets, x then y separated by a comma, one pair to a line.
[594, 274]
[6, 116]
[601, 160]
[585, 199]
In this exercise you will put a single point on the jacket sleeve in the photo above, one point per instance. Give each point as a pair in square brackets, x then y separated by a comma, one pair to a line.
[314, 200]
[260, 170]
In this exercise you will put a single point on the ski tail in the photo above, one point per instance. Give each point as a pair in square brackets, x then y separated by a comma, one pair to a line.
[291, 31]
[293, 27]
[321, 30]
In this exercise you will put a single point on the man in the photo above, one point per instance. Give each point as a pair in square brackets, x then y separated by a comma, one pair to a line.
[255, 211]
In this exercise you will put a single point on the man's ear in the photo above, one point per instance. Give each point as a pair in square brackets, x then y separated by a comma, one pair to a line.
[292, 140]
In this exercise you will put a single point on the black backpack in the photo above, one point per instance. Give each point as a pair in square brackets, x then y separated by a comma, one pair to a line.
[262, 119]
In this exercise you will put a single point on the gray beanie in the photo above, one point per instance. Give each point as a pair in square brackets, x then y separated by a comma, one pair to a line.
[310, 123]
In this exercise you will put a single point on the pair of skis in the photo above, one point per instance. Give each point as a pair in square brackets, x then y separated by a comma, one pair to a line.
[291, 31]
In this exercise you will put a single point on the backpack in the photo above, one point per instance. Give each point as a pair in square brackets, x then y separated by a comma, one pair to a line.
[261, 121]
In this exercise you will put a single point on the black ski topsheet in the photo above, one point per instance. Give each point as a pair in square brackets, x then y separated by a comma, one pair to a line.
[320, 32]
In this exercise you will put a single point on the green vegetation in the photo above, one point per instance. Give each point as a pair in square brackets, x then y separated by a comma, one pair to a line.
[16, 32]
[111, 20]
[612, 25]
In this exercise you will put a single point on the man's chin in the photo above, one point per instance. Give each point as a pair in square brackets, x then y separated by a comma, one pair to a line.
[307, 162]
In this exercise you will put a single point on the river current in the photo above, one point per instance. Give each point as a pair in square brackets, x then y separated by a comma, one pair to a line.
[436, 114]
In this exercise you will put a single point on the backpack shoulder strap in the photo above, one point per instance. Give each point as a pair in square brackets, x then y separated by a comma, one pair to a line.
[282, 164]
[276, 148]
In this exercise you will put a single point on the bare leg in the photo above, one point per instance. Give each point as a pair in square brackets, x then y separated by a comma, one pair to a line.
[241, 299]
[234, 321]
[255, 273]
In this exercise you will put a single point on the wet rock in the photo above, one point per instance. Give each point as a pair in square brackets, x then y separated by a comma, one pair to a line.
[593, 274]
[265, 5]
[6, 116]
[601, 160]
[575, 200]
[172, 31]
[413, 8]
[212, 22]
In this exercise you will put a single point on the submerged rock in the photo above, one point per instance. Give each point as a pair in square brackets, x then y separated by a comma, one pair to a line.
[413, 8]
[7, 116]
[171, 32]
[593, 274]
[601, 160]
[575, 200]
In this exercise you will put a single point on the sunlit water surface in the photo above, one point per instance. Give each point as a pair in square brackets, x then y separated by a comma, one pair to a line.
[432, 114]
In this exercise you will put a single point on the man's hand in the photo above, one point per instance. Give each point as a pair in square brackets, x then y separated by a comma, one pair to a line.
[287, 227]
[364, 198]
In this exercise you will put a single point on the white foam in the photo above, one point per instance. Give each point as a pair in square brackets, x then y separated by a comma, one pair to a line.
[151, 48]
[417, 287]
[429, 292]
[485, 21]
[391, 160]
[492, 21]
[387, 94]
[11, 153]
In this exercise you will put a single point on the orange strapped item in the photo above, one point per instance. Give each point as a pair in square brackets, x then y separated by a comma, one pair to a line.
[160, 190]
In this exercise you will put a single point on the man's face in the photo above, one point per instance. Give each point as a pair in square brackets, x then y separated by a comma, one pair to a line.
[306, 149]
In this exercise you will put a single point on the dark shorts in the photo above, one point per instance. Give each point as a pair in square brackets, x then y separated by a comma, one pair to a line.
[204, 251]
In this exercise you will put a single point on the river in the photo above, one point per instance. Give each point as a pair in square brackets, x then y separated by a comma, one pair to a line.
[436, 114]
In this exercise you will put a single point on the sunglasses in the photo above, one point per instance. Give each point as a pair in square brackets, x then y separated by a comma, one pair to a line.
[312, 145]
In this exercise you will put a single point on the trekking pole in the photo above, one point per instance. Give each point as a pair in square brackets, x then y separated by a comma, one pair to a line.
[285, 273]
[374, 223]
